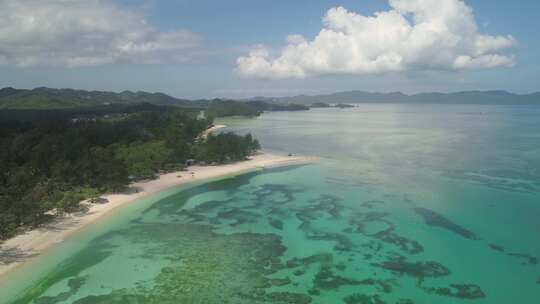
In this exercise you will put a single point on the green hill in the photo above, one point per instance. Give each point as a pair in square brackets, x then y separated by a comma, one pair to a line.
[47, 98]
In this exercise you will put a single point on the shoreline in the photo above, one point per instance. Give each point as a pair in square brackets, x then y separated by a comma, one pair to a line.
[213, 128]
[32, 243]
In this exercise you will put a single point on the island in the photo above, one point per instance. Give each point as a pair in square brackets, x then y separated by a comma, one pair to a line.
[319, 105]
[343, 106]
[227, 108]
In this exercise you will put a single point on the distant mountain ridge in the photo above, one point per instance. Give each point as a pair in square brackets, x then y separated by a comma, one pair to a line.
[465, 97]
[48, 98]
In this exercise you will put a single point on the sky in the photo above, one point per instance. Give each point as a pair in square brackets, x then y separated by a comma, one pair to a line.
[239, 48]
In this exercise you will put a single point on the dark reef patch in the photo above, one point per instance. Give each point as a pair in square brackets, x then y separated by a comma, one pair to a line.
[317, 208]
[371, 204]
[405, 244]
[433, 218]
[280, 282]
[175, 203]
[399, 265]
[496, 247]
[210, 206]
[341, 266]
[363, 299]
[266, 194]
[73, 284]
[326, 279]
[113, 298]
[507, 180]
[278, 224]
[193, 217]
[529, 258]
[237, 215]
[405, 301]
[461, 291]
[287, 298]
[343, 243]
[327, 203]
[387, 235]
[198, 214]
[324, 259]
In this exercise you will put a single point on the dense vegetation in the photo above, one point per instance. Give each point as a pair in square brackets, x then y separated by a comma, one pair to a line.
[48, 98]
[52, 163]
[286, 107]
[63, 102]
[34, 115]
[319, 105]
[225, 108]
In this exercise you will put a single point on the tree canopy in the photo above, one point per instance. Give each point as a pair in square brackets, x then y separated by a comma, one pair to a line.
[54, 163]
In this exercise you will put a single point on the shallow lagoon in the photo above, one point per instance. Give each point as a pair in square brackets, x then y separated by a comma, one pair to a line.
[409, 204]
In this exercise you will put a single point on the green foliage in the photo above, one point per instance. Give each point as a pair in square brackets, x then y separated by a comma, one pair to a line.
[288, 107]
[143, 159]
[225, 108]
[227, 147]
[319, 105]
[53, 164]
[47, 98]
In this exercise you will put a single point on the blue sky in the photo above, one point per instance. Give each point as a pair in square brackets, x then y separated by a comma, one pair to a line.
[191, 48]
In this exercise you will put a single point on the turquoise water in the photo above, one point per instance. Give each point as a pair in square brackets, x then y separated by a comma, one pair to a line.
[408, 204]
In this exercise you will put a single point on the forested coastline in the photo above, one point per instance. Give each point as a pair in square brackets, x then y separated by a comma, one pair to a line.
[51, 164]
[226, 108]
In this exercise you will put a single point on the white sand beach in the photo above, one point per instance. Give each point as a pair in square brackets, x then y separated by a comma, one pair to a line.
[38, 240]
[212, 129]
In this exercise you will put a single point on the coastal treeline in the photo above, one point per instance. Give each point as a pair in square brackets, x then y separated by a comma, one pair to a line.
[225, 108]
[48, 166]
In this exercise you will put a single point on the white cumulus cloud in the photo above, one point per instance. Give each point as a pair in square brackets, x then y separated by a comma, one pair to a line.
[411, 35]
[75, 33]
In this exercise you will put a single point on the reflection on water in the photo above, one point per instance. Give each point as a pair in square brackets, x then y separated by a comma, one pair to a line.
[410, 204]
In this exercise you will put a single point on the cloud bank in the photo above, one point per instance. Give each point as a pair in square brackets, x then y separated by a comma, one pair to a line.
[412, 35]
[75, 33]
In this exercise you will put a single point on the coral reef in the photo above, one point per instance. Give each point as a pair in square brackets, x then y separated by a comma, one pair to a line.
[496, 247]
[363, 299]
[399, 265]
[73, 284]
[461, 291]
[529, 258]
[432, 218]
[278, 224]
[388, 235]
